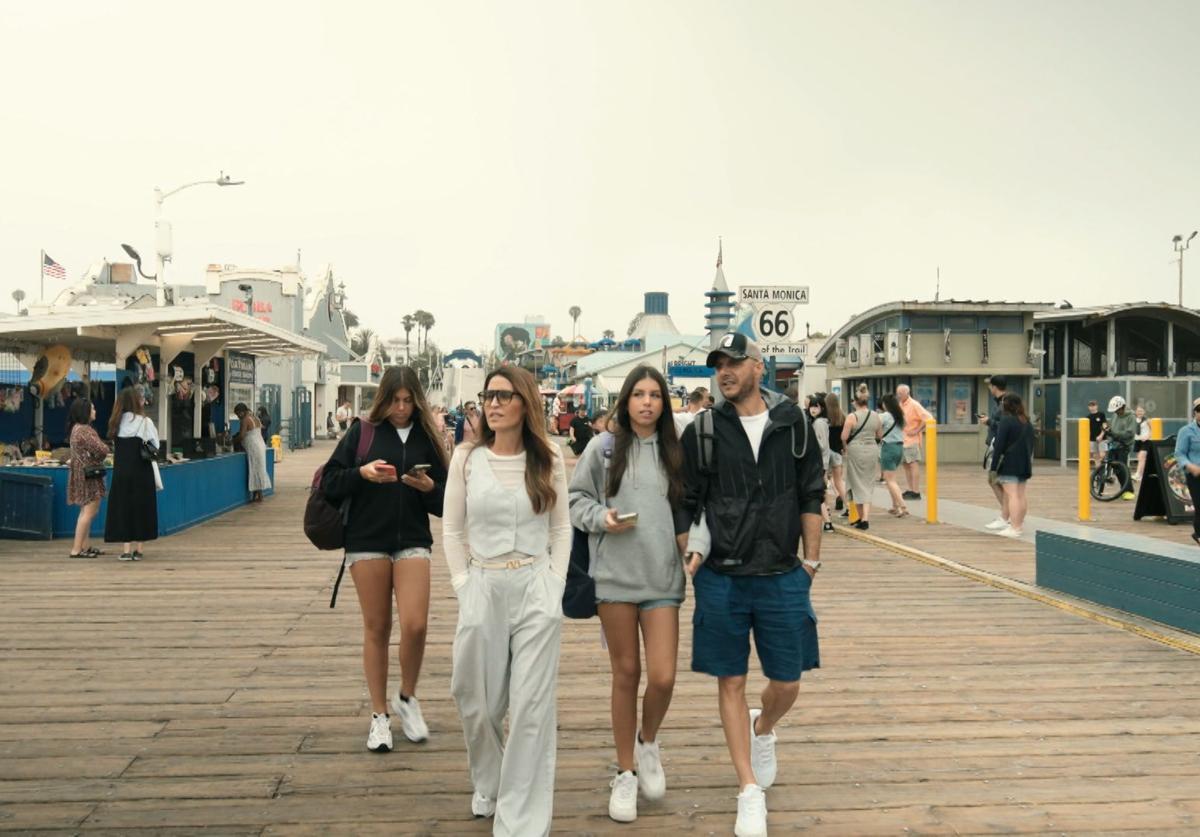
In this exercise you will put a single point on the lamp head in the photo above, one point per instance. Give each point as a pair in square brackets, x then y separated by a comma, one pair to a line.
[133, 254]
[1175, 239]
[226, 180]
[1193, 235]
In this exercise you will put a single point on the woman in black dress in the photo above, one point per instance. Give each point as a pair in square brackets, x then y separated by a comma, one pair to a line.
[132, 502]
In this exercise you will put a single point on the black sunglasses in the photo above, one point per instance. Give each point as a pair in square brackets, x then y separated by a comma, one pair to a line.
[504, 396]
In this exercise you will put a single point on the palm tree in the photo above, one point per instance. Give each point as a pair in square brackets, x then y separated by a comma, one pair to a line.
[575, 311]
[427, 323]
[361, 341]
[408, 322]
[609, 334]
[419, 319]
[18, 297]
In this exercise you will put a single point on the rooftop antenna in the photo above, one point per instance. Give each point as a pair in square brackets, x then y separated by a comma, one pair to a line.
[937, 291]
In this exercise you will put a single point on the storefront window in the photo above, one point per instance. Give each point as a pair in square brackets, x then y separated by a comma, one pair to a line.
[925, 390]
[960, 400]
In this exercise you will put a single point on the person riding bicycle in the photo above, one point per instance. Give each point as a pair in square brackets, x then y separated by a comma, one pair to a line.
[1121, 430]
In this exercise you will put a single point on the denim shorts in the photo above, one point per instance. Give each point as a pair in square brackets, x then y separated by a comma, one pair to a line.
[776, 608]
[649, 604]
[1004, 479]
[890, 454]
[398, 555]
[835, 459]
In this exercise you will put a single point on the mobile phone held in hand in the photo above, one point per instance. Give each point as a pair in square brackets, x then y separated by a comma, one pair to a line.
[386, 470]
[417, 470]
[630, 517]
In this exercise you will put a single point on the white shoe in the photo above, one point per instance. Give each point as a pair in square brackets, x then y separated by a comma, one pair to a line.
[482, 806]
[752, 813]
[762, 755]
[651, 778]
[622, 804]
[1010, 532]
[997, 524]
[411, 720]
[379, 739]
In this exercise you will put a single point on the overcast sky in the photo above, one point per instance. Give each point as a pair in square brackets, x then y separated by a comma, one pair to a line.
[489, 160]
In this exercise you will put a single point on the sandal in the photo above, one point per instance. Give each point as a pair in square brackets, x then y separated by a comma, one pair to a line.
[85, 554]
[125, 556]
[95, 553]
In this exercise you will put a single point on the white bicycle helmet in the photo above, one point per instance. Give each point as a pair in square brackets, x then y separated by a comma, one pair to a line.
[1116, 403]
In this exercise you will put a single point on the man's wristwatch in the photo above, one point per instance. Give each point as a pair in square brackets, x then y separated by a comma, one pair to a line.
[812, 565]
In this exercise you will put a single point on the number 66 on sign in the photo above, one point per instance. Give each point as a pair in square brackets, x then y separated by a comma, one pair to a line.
[774, 318]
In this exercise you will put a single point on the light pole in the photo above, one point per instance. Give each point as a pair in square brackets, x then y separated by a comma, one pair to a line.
[162, 229]
[1180, 246]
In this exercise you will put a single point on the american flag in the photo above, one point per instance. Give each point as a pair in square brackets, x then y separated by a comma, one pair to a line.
[52, 268]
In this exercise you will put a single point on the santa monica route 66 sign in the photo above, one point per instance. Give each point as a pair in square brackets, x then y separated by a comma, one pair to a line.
[774, 319]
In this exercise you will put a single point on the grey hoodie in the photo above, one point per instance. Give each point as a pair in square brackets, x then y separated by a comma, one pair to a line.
[642, 564]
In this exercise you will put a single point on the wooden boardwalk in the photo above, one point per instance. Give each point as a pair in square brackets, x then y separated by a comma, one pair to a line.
[211, 687]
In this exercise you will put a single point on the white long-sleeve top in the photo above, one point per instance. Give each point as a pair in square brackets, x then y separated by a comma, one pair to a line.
[141, 426]
[509, 471]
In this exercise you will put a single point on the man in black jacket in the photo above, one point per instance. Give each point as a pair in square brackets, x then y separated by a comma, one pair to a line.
[753, 505]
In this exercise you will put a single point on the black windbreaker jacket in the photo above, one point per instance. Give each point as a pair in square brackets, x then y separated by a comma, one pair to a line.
[753, 508]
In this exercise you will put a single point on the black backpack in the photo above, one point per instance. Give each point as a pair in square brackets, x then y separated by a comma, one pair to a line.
[579, 595]
[324, 522]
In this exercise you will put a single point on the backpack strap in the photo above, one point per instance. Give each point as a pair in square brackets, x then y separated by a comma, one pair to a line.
[801, 448]
[703, 425]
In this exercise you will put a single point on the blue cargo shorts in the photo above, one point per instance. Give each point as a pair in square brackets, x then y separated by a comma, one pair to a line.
[777, 609]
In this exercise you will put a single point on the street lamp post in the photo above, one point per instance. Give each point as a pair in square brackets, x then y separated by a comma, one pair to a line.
[1180, 246]
[162, 229]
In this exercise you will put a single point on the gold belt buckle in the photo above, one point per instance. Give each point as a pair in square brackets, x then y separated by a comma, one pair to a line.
[512, 564]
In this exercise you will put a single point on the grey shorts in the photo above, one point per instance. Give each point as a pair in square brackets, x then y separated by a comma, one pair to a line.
[650, 604]
[835, 459]
[912, 453]
[398, 555]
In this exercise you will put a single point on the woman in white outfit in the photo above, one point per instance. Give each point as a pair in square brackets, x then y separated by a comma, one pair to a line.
[255, 446]
[508, 540]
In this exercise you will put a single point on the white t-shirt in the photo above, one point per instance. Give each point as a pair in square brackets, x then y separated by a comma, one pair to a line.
[754, 427]
[404, 431]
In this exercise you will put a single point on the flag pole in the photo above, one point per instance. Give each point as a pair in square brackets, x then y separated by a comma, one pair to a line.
[42, 278]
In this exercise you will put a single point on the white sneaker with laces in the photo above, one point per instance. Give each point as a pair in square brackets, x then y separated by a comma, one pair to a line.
[411, 720]
[622, 804]
[651, 778]
[1010, 532]
[997, 524]
[482, 806]
[379, 739]
[752, 813]
[762, 754]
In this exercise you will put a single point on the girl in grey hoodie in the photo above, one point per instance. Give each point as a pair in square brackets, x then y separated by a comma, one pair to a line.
[637, 568]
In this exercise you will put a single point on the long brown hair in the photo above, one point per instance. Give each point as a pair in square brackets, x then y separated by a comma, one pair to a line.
[1012, 404]
[670, 451]
[396, 378]
[129, 400]
[539, 453]
[833, 407]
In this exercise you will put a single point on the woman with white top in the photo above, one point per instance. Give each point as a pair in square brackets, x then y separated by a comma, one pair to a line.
[818, 414]
[132, 516]
[249, 434]
[1141, 441]
[508, 540]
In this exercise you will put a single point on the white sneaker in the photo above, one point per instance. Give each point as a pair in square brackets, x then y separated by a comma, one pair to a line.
[1010, 532]
[752, 813]
[379, 739]
[622, 804]
[762, 755]
[997, 524]
[482, 806]
[651, 778]
[411, 720]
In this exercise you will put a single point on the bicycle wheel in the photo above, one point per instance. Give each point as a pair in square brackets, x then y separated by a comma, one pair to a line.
[1107, 484]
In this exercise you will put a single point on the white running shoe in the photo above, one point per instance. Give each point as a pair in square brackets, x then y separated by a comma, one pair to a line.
[997, 524]
[752, 813]
[651, 778]
[762, 754]
[482, 806]
[379, 739]
[622, 804]
[411, 720]
[1010, 532]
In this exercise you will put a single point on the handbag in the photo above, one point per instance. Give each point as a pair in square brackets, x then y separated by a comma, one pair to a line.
[95, 472]
[149, 450]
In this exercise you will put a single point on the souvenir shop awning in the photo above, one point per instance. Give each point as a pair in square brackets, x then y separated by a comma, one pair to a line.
[97, 332]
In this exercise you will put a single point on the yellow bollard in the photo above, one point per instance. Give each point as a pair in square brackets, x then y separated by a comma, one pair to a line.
[931, 472]
[277, 444]
[853, 509]
[1085, 470]
[1155, 429]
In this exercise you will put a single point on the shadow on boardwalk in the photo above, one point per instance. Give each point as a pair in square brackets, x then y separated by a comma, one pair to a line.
[212, 686]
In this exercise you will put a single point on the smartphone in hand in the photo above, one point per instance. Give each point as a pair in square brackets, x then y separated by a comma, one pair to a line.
[386, 470]
[631, 517]
[417, 470]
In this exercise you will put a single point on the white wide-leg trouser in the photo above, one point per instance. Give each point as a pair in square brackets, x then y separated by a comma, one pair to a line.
[506, 660]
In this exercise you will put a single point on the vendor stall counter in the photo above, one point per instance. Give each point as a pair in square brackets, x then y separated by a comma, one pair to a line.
[193, 491]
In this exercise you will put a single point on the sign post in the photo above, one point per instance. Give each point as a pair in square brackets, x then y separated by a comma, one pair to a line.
[774, 320]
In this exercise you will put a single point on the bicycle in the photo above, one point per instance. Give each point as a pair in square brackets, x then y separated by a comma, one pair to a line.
[1111, 479]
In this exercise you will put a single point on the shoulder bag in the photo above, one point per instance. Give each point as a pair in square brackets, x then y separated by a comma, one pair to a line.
[149, 450]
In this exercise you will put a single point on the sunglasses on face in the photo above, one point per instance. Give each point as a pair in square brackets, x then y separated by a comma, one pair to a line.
[504, 396]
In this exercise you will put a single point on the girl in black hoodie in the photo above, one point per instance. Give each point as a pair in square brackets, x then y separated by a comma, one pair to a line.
[392, 491]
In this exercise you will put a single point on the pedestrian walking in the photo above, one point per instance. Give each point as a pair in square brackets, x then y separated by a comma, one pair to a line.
[837, 450]
[1096, 438]
[85, 482]
[580, 431]
[860, 435]
[754, 493]
[697, 400]
[264, 425]
[508, 541]
[818, 414]
[1141, 441]
[996, 387]
[467, 430]
[392, 490]
[1187, 455]
[915, 417]
[627, 494]
[1012, 462]
[132, 517]
[891, 451]
[250, 435]
[343, 416]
